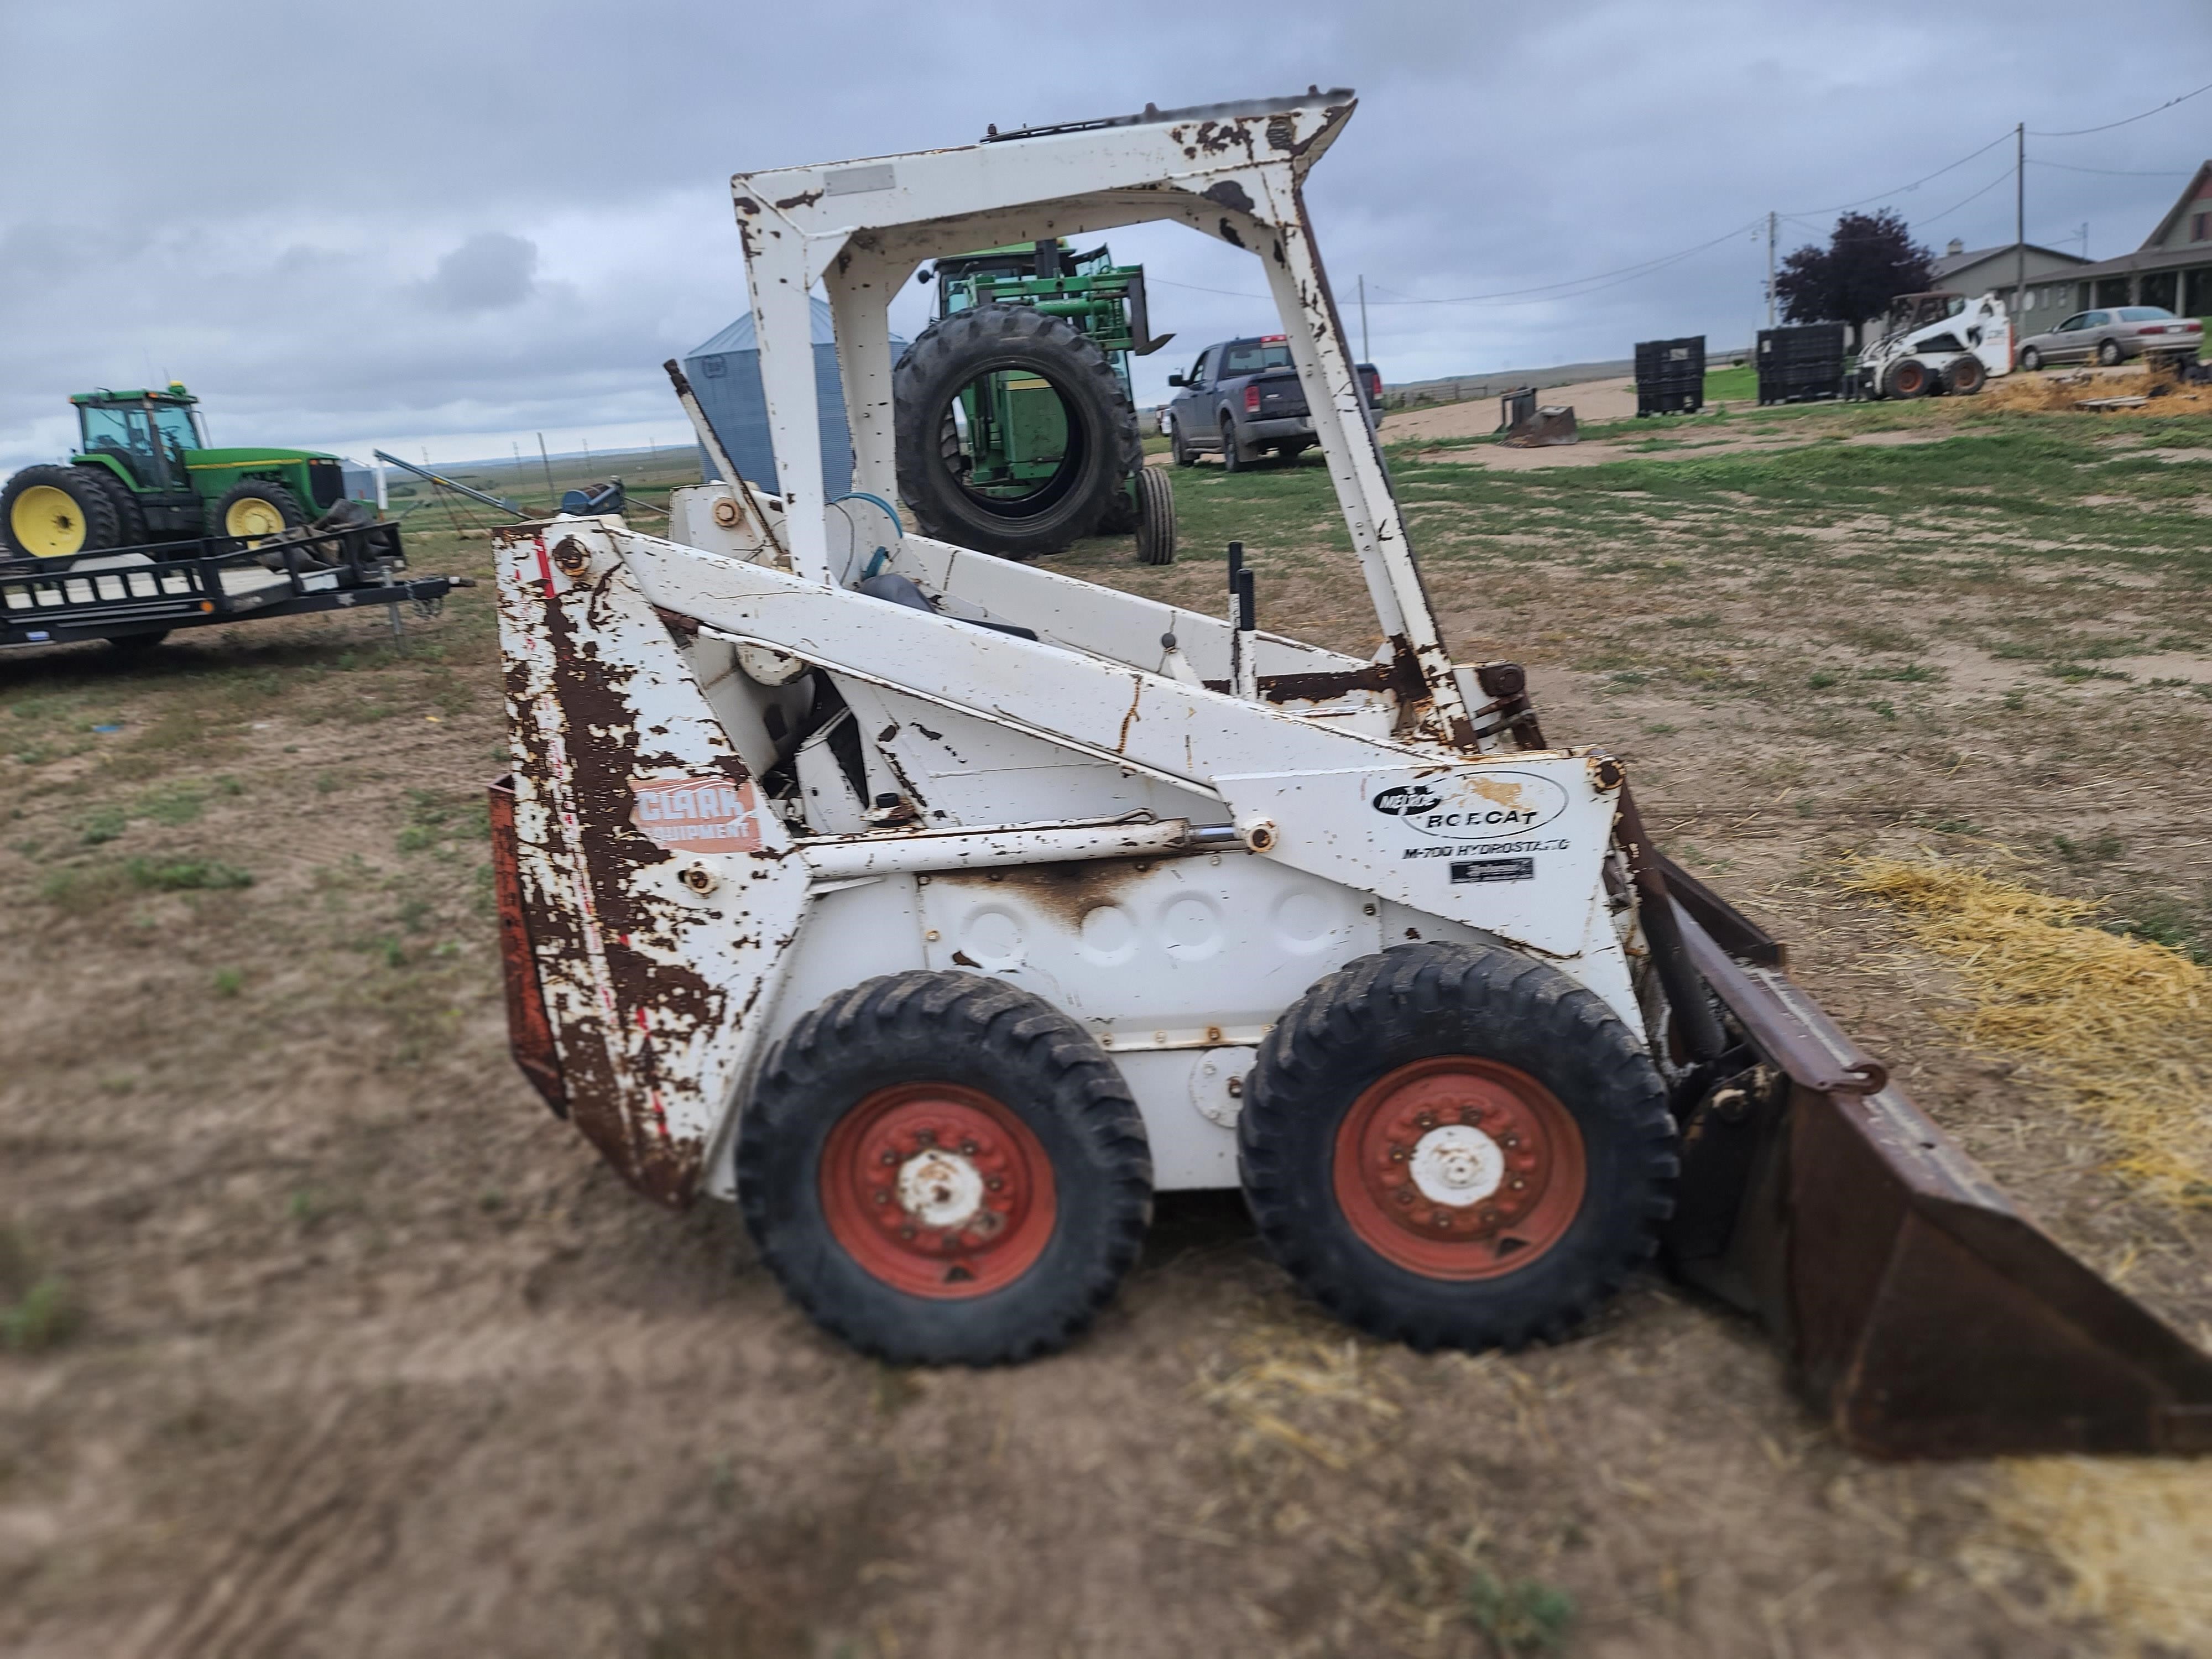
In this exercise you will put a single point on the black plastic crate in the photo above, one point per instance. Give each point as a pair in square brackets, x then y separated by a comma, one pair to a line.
[1804, 343]
[1670, 375]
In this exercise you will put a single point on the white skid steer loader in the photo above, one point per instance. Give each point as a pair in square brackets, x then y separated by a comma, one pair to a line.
[940, 909]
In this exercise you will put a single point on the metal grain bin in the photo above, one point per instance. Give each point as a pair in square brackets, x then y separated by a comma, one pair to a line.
[725, 374]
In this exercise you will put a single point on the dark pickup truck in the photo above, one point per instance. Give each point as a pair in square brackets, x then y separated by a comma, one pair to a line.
[1243, 397]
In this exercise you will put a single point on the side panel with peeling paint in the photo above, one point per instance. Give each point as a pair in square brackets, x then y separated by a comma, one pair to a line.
[653, 951]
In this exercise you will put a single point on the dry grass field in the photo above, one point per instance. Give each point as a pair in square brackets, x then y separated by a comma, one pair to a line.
[319, 1337]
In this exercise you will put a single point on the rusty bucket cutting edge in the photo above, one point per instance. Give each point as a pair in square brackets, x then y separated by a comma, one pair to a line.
[1922, 1313]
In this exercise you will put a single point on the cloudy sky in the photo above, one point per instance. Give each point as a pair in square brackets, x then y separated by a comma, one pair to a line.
[448, 227]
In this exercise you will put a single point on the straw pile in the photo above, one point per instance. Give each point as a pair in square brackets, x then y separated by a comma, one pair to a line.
[1318, 1398]
[2063, 393]
[2120, 1028]
[2135, 1538]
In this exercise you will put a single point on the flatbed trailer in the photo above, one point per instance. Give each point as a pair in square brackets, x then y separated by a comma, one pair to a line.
[135, 596]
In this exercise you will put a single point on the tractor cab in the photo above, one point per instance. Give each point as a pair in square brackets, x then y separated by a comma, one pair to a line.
[142, 434]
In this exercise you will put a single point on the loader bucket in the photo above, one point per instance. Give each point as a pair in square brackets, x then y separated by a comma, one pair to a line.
[1922, 1314]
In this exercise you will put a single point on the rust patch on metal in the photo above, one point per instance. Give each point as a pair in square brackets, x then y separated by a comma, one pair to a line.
[1065, 892]
[804, 198]
[595, 839]
[529, 1033]
[1229, 234]
[1229, 194]
[1321, 687]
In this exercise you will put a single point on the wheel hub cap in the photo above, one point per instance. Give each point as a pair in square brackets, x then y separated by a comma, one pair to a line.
[1459, 1167]
[940, 1189]
[937, 1190]
[1457, 1164]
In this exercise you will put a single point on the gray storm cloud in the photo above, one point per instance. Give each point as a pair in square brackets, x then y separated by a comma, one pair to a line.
[488, 272]
[510, 230]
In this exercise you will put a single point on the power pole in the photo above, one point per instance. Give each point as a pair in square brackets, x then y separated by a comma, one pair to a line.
[1770, 219]
[2019, 229]
[1365, 356]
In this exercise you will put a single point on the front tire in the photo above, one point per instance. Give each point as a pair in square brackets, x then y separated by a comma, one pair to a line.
[2109, 355]
[254, 509]
[1453, 1146]
[1155, 517]
[930, 1221]
[1908, 377]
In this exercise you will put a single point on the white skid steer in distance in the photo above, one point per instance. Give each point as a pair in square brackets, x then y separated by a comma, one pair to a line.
[940, 909]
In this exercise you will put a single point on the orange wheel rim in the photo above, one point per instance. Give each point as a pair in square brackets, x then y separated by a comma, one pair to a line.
[937, 1191]
[1459, 1168]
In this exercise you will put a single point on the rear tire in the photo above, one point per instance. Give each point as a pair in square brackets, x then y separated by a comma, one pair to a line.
[932, 1222]
[1155, 517]
[129, 517]
[1231, 459]
[2030, 360]
[1430, 1231]
[137, 645]
[1177, 450]
[53, 512]
[1104, 449]
[1966, 376]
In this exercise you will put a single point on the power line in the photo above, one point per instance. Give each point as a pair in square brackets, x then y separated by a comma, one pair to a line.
[2077, 133]
[1932, 218]
[1883, 195]
[2113, 172]
[1625, 273]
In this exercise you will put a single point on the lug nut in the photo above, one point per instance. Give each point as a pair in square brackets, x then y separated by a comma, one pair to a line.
[967, 1149]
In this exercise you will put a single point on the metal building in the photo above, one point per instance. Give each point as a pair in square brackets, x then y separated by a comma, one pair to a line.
[725, 372]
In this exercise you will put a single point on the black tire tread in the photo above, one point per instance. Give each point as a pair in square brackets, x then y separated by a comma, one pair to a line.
[975, 1013]
[1156, 526]
[1339, 1018]
[103, 527]
[267, 489]
[942, 352]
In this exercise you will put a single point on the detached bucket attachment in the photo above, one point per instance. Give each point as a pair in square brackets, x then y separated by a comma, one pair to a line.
[1541, 427]
[1922, 1314]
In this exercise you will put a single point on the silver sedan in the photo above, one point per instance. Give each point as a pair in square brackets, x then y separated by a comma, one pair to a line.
[2113, 336]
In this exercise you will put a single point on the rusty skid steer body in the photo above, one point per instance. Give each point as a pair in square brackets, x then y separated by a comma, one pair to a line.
[940, 909]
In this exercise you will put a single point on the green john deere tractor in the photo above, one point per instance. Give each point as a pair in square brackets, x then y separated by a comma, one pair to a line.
[1016, 424]
[142, 474]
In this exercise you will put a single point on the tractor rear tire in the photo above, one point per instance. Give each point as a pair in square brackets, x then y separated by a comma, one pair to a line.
[254, 509]
[934, 1222]
[129, 517]
[1454, 1146]
[1155, 518]
[1104, 450]
[1122, 513]
[52, 512]
[1966, 376]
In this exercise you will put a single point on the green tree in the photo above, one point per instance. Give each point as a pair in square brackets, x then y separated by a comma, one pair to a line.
[1870, 259]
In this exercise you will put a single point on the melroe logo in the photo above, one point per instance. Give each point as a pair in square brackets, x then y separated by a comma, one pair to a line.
[1404, 799]
[1479, 801]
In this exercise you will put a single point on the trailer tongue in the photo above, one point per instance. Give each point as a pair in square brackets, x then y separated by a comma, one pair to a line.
[940, 909]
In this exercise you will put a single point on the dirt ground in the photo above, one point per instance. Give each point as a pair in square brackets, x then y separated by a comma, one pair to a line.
[356, 1350]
